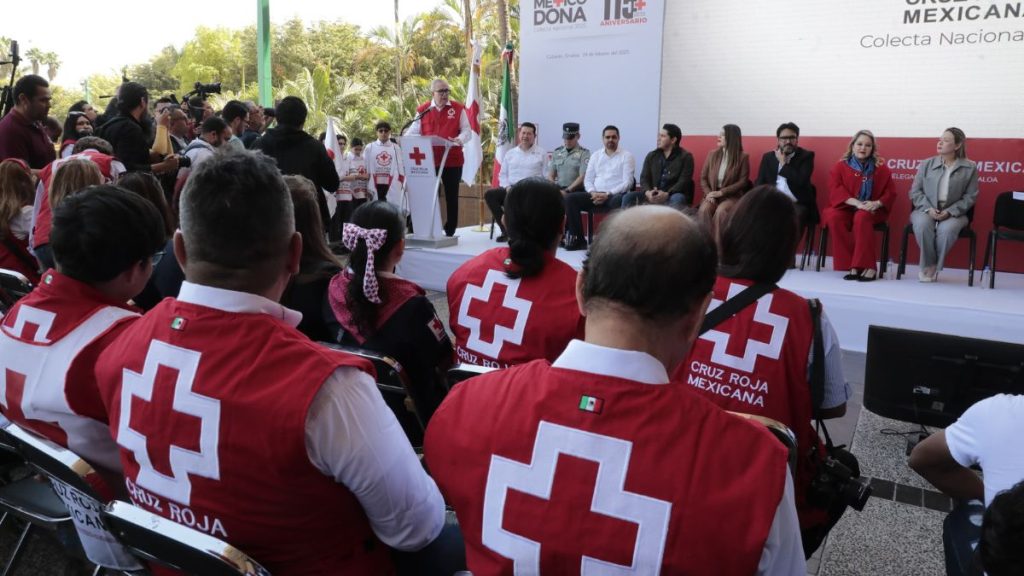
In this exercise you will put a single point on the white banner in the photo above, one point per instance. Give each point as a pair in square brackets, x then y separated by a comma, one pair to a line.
[905, 68]
[421, 185]
[596, 62]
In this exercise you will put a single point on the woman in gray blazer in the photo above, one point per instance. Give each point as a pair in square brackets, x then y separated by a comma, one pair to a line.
[945, 188]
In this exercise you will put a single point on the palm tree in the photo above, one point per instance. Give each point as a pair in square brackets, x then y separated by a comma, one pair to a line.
[52, 62]
[35, 56]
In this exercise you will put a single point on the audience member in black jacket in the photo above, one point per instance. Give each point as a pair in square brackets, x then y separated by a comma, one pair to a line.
[129, 133]
[296, 152]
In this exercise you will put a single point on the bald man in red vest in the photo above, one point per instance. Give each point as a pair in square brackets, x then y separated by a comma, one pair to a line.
[599, 462]
[444, 117]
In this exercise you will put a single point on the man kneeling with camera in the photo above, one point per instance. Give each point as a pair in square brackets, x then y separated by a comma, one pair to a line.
[769, 352]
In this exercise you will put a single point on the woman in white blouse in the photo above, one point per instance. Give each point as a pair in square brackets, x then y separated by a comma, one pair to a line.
[945, 188]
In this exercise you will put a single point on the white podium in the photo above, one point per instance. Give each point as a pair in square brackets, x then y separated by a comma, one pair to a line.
[422, 185]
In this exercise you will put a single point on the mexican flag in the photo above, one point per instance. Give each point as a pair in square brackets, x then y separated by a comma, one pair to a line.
[506, 119]
[472, 151]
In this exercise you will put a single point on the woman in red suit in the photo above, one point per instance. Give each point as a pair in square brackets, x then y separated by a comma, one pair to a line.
[861, 194]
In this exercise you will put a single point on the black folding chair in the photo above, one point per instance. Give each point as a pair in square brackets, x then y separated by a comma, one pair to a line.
[36, 504]
[1007, 224]
[396, 388]
[13, 286]
[461, 372]
[76, 480]
[781, 432]
[883, 258]
[157, 539]
[965, 232]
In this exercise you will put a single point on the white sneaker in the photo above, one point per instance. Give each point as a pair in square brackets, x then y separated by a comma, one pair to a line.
[926, 275]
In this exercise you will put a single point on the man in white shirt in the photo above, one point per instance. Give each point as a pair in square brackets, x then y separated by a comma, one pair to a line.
[213, 134]
[527, 160]
[983, 436]
[292, 454]
[610, 174]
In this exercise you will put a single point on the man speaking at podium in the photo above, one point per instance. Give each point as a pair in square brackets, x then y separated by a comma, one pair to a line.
[445, 118]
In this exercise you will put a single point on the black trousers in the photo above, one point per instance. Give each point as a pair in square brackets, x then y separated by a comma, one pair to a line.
[382, 191]
[451, 176]
[578, 202]
[495, 200]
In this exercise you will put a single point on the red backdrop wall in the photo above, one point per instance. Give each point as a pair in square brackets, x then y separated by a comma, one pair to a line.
[1001, 164]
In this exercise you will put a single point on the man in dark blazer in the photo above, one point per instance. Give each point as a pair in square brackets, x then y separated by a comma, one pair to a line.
[788, 167]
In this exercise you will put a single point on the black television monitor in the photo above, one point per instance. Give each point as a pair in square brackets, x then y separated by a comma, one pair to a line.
[931, 379]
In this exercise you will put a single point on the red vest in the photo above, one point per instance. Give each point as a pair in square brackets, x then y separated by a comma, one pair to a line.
[214, 436]
[41, 233]
[444, 123]
[756, 362]
[48, 344]
[548, 466]
[499, 321]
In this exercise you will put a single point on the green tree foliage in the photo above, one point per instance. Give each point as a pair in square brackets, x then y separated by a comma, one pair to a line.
[340, 70]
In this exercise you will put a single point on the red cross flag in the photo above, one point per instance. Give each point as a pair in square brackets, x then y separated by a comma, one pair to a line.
[472, 151]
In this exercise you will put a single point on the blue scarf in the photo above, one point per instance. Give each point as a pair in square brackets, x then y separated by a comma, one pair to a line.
[867, 170]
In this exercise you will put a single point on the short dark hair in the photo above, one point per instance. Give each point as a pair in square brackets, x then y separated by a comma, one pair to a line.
[146, 185]
[659, 277]
[102, 231]
[213, 124]
[237, 219]
[757, 239]
[787, 126]
[611, 127]
[165, 100]
[1001, 547]
[673, 131]
[93, 143]
[130, 96]
[291, 111]
[234, 110]
[29, 85]
[529, 125]
[382, 124]
[534, 214]
[383, 215]
[356, 142]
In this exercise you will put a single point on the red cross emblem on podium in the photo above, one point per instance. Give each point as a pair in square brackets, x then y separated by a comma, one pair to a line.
[172, 430]
[417, 156]
[572, 469]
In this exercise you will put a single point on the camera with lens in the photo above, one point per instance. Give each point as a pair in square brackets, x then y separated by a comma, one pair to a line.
[204, 89]
[837, 480]
[184, 161]
[268, 112]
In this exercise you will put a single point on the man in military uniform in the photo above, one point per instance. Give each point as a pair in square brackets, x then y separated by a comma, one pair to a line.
[569, 162]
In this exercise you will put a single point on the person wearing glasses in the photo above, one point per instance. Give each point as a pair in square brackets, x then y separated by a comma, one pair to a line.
[386, 167]
[446, 118]
[106, 241]
[610, 174]
[789, 167]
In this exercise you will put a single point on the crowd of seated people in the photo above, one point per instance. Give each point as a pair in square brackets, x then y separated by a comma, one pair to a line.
[603, 439]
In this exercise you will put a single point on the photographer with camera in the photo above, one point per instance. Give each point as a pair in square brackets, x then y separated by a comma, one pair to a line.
[789, 364]
[130, 132]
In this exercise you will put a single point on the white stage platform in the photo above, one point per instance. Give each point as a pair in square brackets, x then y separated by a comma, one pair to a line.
[948, 306]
